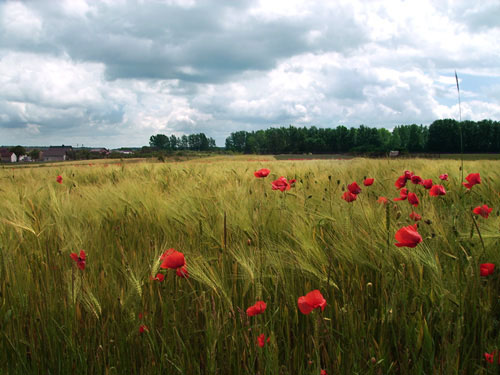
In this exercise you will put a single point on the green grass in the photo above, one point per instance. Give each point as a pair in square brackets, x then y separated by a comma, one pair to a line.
[390, 310]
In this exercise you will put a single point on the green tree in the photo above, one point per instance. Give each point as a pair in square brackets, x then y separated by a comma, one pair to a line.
[159, 141]
[34, 154]
[18, 150]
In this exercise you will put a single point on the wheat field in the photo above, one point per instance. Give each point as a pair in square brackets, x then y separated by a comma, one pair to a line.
[390, 310]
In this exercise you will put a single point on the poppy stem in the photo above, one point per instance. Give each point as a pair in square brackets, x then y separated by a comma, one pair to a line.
[225, 231]
[478, 232]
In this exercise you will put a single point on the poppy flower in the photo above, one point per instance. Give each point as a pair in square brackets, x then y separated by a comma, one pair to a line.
[416, 180]
[491, 356]
[400, 182]
[172, 259]
[79, 259]
[143, 329]
[349, 197]
[486, 269]
[415, 216]
[258, 308]
[323, 372]
[292, 182]
[182, 272]
[354, 188]
[413, 199]
[472, 179]
[311, 301]
[483, 210]
[368, 181]
[261, 340]
[408, 236]
[403, 194]
[437, 190]
[382, 200]
[427, 183]
[59, 179]
[261, 173]
[444, 177]
[408, 175]
[281, 184]
[159, 277]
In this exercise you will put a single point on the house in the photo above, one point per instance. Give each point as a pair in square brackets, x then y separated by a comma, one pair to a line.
[7, 156]
[56, 153]
[100, 151]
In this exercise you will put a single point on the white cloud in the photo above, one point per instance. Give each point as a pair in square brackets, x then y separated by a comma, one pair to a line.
[114, 73]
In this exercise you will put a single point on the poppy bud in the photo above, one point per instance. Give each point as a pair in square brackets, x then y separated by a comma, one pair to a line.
[373, 360]
[249, 242]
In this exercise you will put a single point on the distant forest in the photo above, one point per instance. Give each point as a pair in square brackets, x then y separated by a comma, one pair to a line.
[442, 136]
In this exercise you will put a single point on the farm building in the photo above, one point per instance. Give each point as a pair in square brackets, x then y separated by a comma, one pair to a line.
[56, 153]
[7, 156]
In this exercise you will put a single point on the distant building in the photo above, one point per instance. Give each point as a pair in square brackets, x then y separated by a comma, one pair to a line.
[100, 151]
[7, 156]
[55, 153]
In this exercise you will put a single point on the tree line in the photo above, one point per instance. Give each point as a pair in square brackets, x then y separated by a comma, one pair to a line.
[442, 136]
[195, 142]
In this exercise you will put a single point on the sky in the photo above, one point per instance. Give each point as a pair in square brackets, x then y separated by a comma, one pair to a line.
[111, 73]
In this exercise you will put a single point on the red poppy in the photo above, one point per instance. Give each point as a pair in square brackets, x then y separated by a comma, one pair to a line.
[486, 269]
[159, 277]
[415, 216]
[416, 180]
[311, 301]
[427, 183]
[261, 340]
[444, 177]
[292, 182]
[413, 199]
[258, 308]
[382, 200]
[264, 172]
[483, 210]
[323, 372]
[354, 188]
[143, 329]
[491, 356]
[400, 182]
[182, 272]
[79, 259]
[59, 179]
[403, 194]
[281, 184]
[437, 190]
[408, 175]
[472, 179]
[172, 259]
[349, 197]
[368, 181]
[408, 236]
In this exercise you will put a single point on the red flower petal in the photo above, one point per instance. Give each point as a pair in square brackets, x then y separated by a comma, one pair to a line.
[182, 272]
[486, 269]
[413, 199]
[483, 210]
[349, 197]
[172, 259]
[408, 236]
[415, 216]
[437, 190]
[382, 200]
[368, 181]
[427, 183]
[304, 307]
[264, 172]
[258, 308]
[354, 188]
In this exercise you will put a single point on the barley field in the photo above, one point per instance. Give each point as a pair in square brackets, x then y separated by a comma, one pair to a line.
[115, 309]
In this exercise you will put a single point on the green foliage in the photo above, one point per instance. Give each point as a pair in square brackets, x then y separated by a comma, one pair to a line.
[390, 310]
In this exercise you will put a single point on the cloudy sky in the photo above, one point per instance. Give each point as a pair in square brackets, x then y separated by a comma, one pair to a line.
[112, 73]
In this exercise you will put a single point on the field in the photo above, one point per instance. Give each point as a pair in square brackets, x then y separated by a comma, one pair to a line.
[389, 309]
